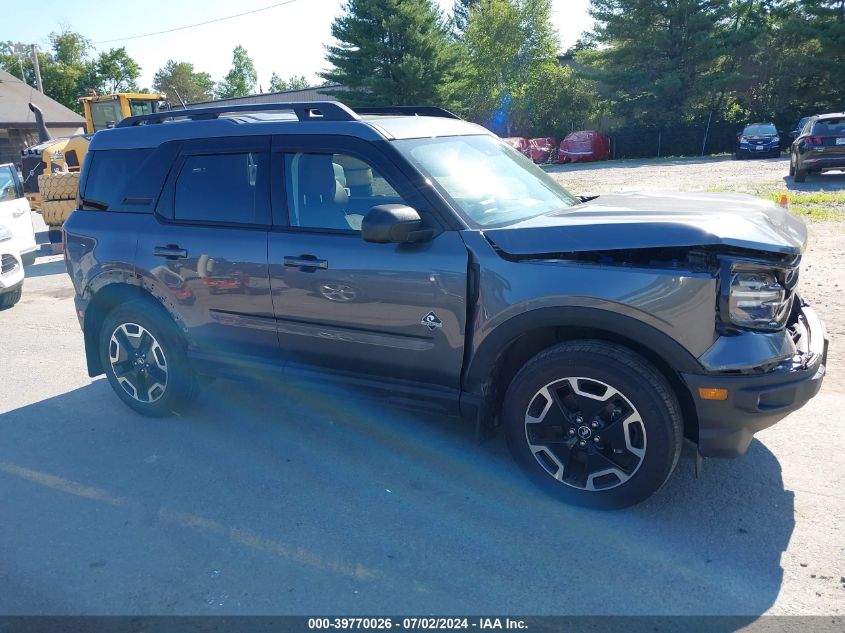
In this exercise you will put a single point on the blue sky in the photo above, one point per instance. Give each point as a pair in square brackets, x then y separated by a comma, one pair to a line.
[286, 39]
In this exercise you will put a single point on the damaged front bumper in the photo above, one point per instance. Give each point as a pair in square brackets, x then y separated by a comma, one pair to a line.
[756, 401]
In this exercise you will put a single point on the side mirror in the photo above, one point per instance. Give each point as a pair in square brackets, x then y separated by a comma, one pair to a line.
[394, 224]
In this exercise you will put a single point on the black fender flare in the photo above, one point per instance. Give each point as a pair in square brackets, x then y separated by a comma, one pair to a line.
[482, 361]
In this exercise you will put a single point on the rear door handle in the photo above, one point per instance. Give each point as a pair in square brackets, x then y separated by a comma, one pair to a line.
[171, 251]
[306, 261]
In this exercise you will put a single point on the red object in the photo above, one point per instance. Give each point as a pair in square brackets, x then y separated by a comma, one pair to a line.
[584, 146]
[518, 143]
[541, 150]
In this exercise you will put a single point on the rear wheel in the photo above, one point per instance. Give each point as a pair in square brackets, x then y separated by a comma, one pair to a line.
[144, 358]
[800, 175]
[791, 164]
[594, 424]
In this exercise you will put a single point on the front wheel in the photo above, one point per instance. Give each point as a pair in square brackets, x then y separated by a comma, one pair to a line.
[144, 359]
[594, 424]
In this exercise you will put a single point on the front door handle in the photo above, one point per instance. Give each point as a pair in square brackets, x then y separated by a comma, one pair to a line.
[306, 261]
[171, 251]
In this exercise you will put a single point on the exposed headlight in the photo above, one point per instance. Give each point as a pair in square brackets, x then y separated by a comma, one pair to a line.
[757, 300]
[5, 233]
[743, 139]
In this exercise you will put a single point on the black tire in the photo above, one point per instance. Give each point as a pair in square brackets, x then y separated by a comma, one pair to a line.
[791, 165]
[800, 175]
[180, 385]
[28, 259]
[9, 299]
[738, 156]
[652, 426]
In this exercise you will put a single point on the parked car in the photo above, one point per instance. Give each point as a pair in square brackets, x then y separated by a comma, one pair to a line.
[15, 214]
[597, 334]
[758, 140]
[11, 270]
[519, 143]
[584, 146]
[542, 150]
[820, 147]
[795, 133]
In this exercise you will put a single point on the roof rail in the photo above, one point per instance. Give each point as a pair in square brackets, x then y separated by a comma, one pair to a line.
[305, 111]
[408, 111]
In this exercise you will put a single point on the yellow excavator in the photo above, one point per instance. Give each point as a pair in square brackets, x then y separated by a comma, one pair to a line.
[51, 168]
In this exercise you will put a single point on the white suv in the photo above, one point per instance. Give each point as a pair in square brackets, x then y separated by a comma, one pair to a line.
[17, 236]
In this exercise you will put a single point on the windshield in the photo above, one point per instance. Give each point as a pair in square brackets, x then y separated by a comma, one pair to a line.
[105, 114]
[488, 182]
[760, 129]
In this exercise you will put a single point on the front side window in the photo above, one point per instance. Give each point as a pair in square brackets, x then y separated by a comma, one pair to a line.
[333, 191]
[489, 183]
[226, 188]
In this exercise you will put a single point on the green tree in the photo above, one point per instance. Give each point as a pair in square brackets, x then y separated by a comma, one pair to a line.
[659, 61]
[180, 80]
[393, 52]
[460, 14]
[295, 82]
[64, 66]
[514, 75]
[116, 71]
[241, 79]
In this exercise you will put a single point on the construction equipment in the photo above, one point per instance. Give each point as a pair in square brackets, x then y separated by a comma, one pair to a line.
[51, 168]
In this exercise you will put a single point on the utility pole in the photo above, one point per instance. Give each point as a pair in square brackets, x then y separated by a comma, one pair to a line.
[37, 69]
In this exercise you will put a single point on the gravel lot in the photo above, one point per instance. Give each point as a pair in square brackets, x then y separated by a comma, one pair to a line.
[690, 174]
[272, 499]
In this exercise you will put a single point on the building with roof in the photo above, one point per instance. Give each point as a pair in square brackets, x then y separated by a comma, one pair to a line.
[288, 96]
[17, 122]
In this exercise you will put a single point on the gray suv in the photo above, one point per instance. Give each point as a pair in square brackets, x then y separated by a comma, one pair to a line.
[410, 254]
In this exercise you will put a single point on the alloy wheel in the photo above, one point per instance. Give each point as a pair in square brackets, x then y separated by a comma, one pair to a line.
[138, 362]
[585, 433]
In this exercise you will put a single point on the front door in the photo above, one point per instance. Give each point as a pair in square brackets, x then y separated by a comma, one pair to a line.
[14, 210]
[396, 311]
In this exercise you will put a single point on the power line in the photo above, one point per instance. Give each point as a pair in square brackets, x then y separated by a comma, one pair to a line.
[191, 26]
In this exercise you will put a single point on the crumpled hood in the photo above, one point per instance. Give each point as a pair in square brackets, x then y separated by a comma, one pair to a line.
[657, 219]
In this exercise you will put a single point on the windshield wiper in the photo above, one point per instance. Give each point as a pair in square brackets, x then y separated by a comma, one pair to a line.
[586, 198]
[94, 204]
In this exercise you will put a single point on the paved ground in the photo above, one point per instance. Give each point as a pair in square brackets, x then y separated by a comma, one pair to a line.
[273, 499]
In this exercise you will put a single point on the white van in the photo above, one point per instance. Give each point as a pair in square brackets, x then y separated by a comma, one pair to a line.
[17, 236]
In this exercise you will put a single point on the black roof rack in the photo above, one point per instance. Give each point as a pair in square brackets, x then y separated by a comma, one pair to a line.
[305, 111]
[408, 111]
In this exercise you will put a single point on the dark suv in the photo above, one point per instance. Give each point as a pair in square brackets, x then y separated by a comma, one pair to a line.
[409, 253]
[819, 147]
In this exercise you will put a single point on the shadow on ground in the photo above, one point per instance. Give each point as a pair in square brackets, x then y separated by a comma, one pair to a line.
[270, 498]
[832, 181]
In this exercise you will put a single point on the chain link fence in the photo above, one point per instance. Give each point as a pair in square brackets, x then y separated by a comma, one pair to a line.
[678, 140]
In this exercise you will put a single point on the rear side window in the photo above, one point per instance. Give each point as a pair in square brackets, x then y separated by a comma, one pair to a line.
[110, 173]
[222, 188]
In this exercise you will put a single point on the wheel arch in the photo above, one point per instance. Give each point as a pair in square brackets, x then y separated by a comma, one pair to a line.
[103, 301]
[513, 343]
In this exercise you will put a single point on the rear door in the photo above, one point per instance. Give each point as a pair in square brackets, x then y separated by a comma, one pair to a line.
[205, 248]
[14, 209]
[391, 310]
